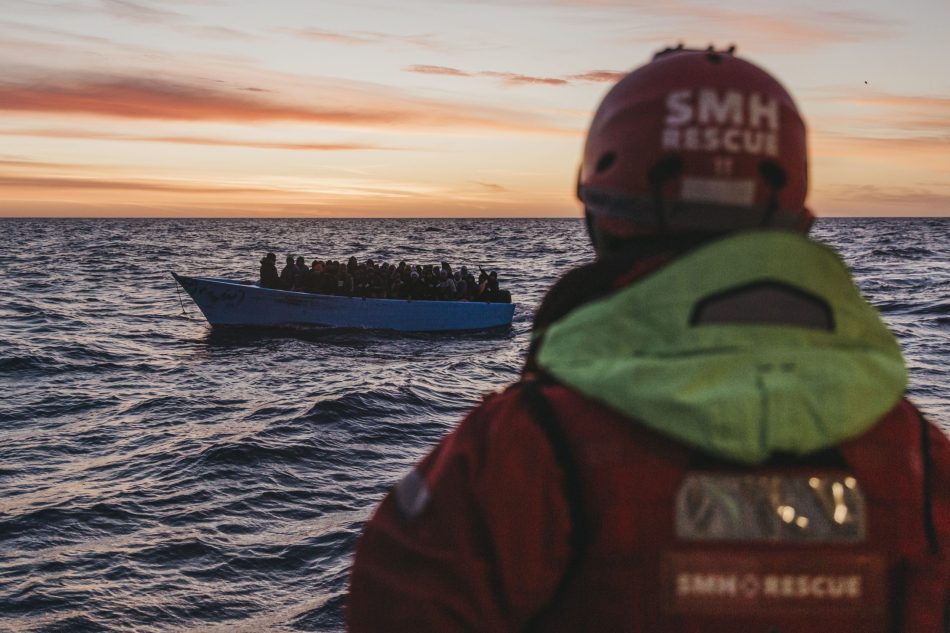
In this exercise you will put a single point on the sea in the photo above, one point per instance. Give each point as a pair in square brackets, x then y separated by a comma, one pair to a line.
[159, 475]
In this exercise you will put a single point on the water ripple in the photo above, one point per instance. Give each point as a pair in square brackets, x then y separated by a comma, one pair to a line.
[158, 475]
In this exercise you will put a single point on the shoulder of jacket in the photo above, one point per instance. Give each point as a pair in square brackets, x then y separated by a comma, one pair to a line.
[512, 398]
[503, 417]
[501, 399]
[894, 431]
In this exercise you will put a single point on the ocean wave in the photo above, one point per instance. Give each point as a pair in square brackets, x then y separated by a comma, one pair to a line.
[160, 475]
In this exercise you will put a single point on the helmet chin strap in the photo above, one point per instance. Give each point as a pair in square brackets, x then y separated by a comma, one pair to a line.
[659, 207]
[588, 216]
[775, 177]
[591, 228]
[770, 208]
[659, 174]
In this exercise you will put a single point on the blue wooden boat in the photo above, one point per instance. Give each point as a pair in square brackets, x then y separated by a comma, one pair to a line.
[228, 302]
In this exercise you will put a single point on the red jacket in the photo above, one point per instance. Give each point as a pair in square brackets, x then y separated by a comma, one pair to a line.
[478, 536]
[560, 513]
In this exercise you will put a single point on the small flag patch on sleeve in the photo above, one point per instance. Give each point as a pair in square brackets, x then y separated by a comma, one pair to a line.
[412, 495]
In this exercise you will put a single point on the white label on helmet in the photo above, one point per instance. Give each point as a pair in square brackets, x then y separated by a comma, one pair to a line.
[731, 191]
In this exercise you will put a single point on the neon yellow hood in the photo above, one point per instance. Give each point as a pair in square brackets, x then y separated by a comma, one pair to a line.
[739, 391]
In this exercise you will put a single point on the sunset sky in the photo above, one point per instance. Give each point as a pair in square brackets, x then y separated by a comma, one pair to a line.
[430, 107]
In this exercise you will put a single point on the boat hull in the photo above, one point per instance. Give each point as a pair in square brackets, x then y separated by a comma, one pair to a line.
[225, 302]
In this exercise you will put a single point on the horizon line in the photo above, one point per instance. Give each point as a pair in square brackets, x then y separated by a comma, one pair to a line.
[380, 217]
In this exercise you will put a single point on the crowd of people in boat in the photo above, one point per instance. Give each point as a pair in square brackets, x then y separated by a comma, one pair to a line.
[377, 280]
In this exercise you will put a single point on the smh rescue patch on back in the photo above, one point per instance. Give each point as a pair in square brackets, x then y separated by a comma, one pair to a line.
[720, 515]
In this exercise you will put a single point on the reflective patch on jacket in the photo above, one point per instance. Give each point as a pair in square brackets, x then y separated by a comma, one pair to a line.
[818, 508]
[412, 495]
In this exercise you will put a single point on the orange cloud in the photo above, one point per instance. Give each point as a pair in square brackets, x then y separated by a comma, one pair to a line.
[332, 36]
[805, 29]
[873, 200]
[135, 98]
[901, 132]
[491, 186]
[37, 188]
[363, 38]
[881, 157]
[515, 78]
[308, 147]
[892, 195]
[32, 184]
[159, 99]
[64, 197]
[599, 76]
[932, 104]
[193, 140]
[801, 31]
[137, 12]
[904, 172]
[16, 162]
[239, 208]
[907, 112]
[887, 148]
[424, 69]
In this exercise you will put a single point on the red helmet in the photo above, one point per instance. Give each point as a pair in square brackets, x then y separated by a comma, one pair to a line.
[695, 141]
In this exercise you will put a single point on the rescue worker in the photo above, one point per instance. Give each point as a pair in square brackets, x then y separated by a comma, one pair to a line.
[711, 432]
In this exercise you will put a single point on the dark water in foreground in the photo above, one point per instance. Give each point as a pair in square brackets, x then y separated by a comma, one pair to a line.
[158, 476]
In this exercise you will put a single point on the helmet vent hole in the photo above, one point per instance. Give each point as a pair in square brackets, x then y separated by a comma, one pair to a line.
[605, 162]
[773, 174]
